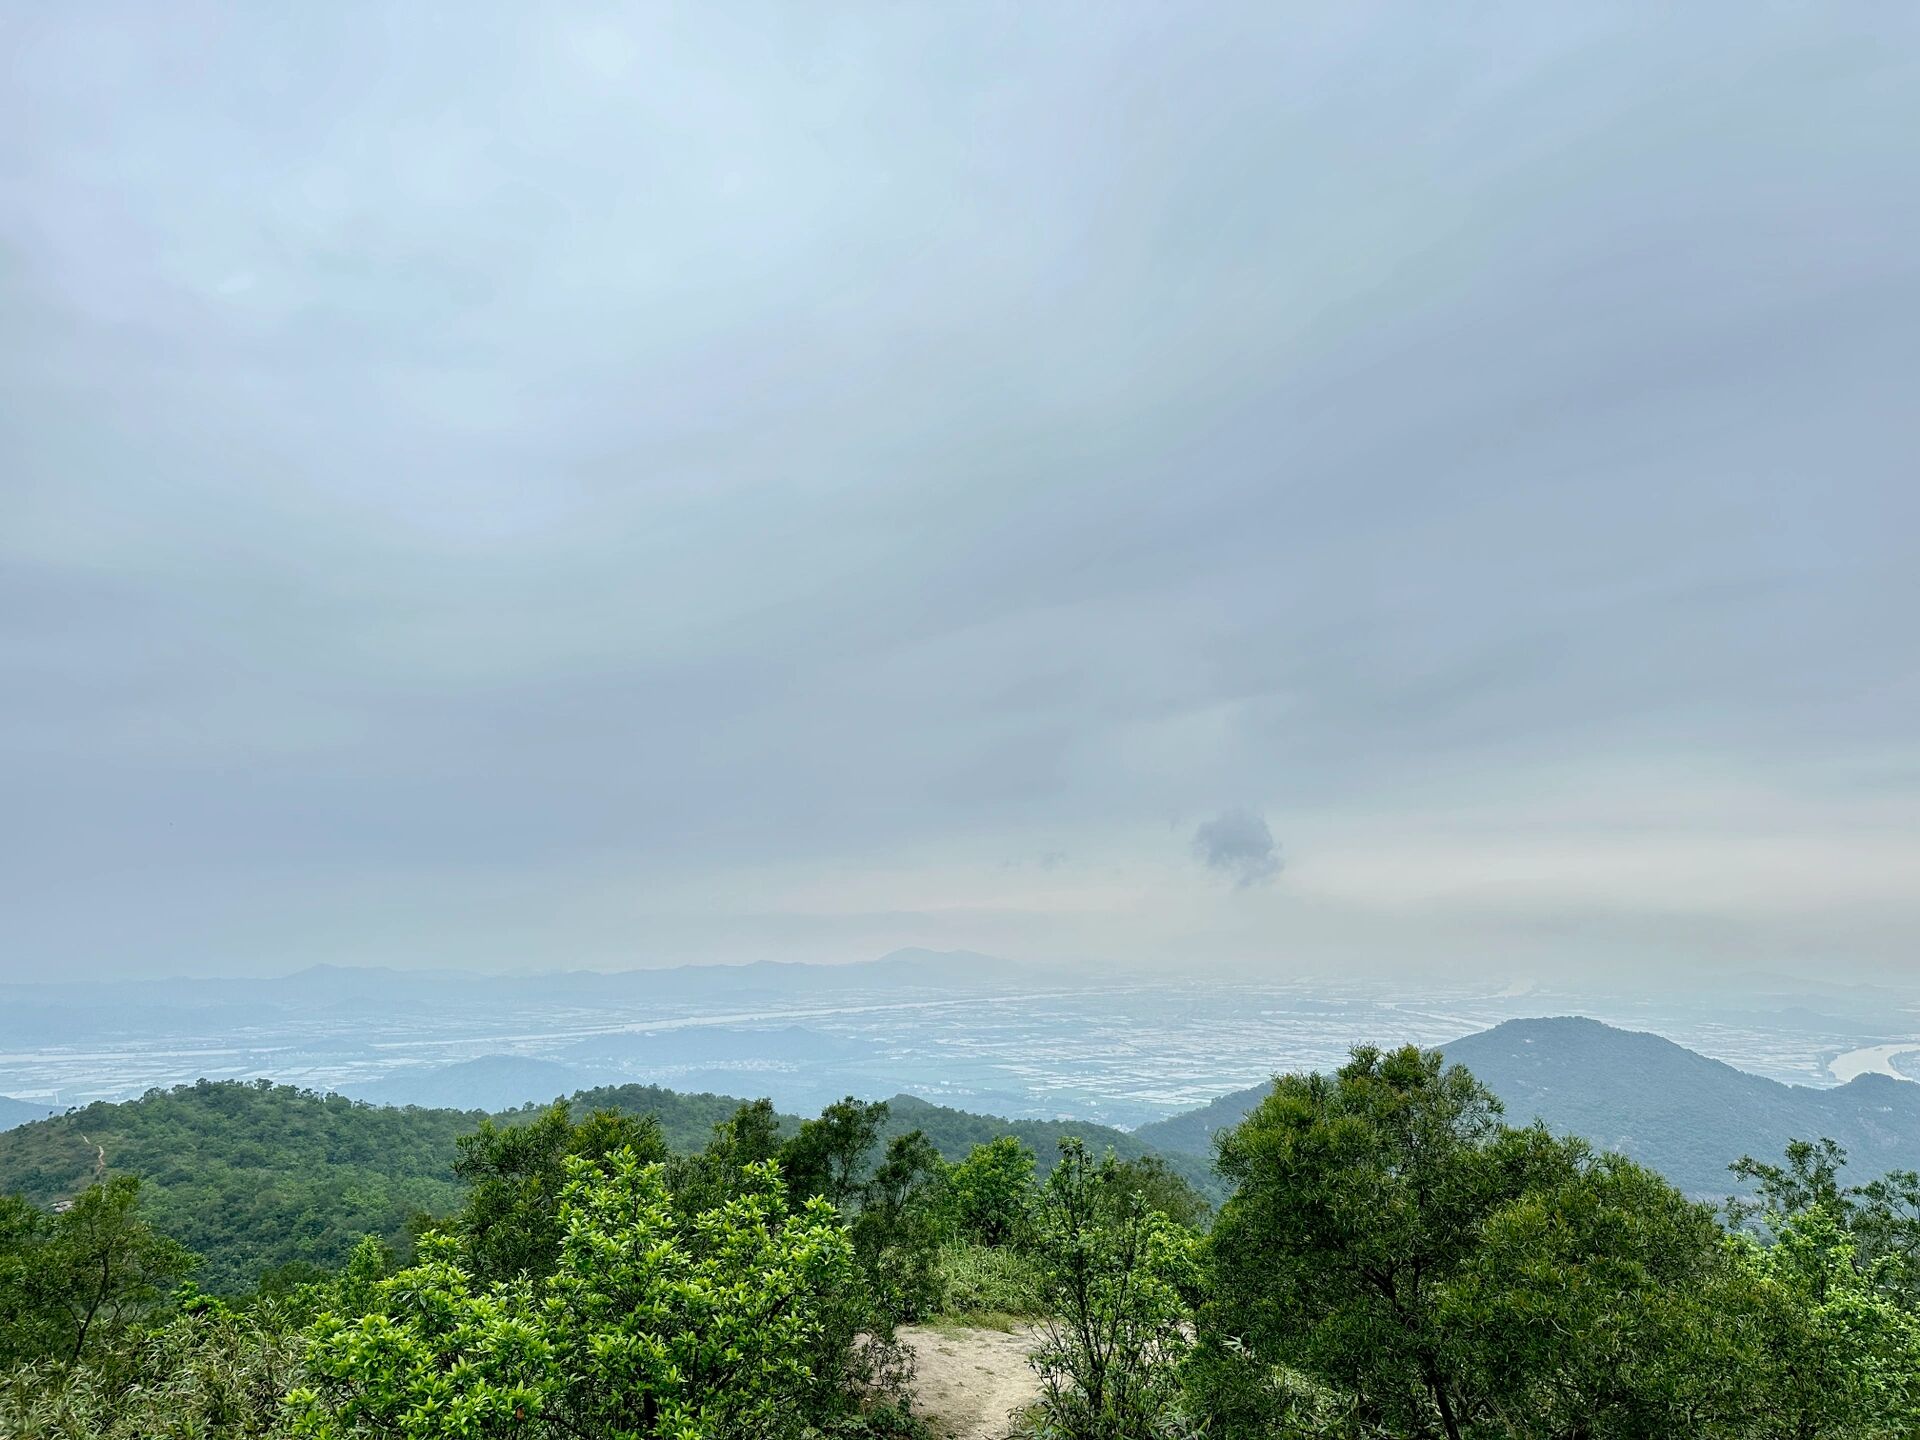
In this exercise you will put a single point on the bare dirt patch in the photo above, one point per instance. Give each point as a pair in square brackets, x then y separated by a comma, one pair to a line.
[970, 1384]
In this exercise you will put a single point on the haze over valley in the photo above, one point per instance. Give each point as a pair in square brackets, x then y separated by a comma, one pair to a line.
[964, 1029]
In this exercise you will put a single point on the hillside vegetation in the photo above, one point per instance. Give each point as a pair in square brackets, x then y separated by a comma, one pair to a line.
[250, 1175]
[253, 1176]
[1392, 1261]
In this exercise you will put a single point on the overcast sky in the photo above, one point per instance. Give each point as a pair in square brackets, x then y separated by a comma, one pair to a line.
[1289, 488]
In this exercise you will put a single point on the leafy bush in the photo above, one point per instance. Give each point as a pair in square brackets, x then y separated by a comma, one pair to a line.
[646, 1329]
[209, 1372]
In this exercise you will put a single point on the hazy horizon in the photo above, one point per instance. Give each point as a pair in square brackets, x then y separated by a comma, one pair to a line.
[1243, 490]
[1701, 985]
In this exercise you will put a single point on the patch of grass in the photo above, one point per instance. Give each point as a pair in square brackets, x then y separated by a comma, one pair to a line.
[985, 1286]
[950, 1322]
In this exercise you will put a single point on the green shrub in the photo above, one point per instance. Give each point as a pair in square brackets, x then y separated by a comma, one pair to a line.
[209, 1372]
[1117, 1276]
[723, 1325]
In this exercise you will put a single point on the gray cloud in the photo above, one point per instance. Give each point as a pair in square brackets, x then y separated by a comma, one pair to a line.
[519, 491]
[1238, 843]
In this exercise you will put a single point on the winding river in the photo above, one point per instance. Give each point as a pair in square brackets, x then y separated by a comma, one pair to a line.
[1872, 1060]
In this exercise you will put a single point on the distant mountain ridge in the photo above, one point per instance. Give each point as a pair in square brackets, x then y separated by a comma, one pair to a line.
[491, 1082]
[20, 1112]
[34, 1012]
[331, 984]
[1686, 1115]
[699, 1058]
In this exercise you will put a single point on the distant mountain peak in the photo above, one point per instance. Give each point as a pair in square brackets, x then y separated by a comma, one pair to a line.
[923, 955]
[23, 1112]
[1685, 1114]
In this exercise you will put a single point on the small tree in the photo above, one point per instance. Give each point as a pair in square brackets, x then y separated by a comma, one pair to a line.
[1808, 1176]
[708, 1179]
[1159, 1188]
[992, 1191]
[897, 1232]
[749, 1136]
[73, 1284]
[1881, 1218]
[1116, 1275]
[1358, 1194]
[1885, 1227]
[828, 1157]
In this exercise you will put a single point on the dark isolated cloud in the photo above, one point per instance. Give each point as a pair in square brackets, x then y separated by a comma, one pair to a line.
[604, 485]
[1238, 843]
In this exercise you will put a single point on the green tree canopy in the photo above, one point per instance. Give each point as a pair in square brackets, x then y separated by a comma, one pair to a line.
[636, 1334]
[1393, 1246]
[72, 1283]
[992, 1191]
[516, 1176]
[828, 1156]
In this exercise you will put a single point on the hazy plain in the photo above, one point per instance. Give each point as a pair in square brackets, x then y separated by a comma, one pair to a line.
[967, 1031]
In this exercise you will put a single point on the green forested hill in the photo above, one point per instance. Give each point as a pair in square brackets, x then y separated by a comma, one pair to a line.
[688, 1122]
[255, 1175]
[250, 1175]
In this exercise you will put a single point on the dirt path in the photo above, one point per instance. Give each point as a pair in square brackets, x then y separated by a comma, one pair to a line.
[968, 1383]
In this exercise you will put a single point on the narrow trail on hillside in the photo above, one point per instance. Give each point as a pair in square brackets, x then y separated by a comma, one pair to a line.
[969, 1384]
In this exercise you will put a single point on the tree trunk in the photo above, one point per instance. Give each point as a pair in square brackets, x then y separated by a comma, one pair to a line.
[1438, 1389]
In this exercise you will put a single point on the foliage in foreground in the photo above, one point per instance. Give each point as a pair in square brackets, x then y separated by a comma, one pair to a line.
[1394, 1263]
[648, 1327]
[209, 1372]
[1118, 1277]
[74, 1284]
